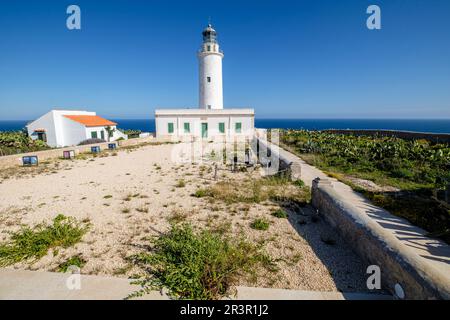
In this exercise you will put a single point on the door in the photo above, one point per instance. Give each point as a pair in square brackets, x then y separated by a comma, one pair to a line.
[204, 130]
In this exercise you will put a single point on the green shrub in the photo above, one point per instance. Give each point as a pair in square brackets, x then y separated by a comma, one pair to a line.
[298, 183]
[200, 193]
[34, 243]
[72, 261]
[12, 142]
[260, 224]
[197, 264]
[280, 213]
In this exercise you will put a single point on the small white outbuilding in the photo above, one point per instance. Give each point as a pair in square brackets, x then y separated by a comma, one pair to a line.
[61, 128]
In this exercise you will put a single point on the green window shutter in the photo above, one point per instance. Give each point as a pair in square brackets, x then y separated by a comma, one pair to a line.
[187, 127]
[222, 127]
[238, 127]
[94, 134]
[170, 127]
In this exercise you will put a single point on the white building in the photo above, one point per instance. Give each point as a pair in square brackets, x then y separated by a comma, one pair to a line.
[61, 128]
[210, 120]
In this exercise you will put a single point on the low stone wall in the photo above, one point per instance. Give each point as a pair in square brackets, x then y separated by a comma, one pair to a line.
[399, 265]
[16, 159]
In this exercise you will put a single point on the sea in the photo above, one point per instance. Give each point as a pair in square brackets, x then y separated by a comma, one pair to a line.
[416, 125]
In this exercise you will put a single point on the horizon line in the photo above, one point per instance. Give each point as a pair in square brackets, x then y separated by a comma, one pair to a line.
[276, 118]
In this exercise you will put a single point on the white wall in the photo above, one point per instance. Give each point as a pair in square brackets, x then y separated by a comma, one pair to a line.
[89, 130]
[44, 122]
[210, 93]
[72, 132]
[247, 122]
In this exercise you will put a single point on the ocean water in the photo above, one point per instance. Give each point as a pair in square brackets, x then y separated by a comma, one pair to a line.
[435, 126]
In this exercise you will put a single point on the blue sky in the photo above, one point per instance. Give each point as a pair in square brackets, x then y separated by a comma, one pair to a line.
[298, 59]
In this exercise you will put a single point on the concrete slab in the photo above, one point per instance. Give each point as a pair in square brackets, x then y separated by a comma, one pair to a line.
[38, 285]
[249, 293]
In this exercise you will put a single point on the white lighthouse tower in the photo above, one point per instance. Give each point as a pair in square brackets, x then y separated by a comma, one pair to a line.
[210, 71]
[210, 122]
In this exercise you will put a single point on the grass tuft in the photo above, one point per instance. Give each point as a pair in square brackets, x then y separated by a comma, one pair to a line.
[34, 243]
[180, 184]
[260, 224]
[77, 261]
[280, 213]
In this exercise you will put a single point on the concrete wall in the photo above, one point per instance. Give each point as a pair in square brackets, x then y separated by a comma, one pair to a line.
[399, 264]
[16, 159]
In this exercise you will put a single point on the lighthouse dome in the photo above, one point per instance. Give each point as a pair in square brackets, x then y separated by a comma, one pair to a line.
[209, 34]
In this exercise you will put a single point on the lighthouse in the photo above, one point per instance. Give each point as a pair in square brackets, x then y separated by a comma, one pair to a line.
[209, 121]
[210, 71]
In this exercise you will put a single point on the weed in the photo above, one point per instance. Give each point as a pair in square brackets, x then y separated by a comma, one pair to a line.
[34, 243]
[260, 224]
[180, 184]
[198, 265]
[280, 213]
[77, 261]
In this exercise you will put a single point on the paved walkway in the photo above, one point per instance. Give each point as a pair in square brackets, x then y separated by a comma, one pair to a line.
[434, 253]
[23, 284]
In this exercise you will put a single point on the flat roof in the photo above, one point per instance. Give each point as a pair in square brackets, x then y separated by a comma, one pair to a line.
[204, 112]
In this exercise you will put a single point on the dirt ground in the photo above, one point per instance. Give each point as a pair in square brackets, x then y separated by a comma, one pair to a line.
[130, 195]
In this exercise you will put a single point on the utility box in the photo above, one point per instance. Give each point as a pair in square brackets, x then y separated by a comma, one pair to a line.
[28, 161]
[95, 149]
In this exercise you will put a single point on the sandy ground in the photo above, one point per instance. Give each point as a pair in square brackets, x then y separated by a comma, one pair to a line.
[131, 195]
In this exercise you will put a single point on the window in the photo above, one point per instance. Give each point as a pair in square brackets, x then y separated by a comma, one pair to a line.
[170, 127]
[42, 136]
[209, 106]
[187, 127]
[94, 134]
[102, 134]
[208, 79]
[209, 48]
[222, 127]
[238, 127]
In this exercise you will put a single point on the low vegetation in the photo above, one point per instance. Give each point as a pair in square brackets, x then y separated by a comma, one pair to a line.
[413, 173]
[275, 188]
[280, 213]
[131, 133]
[13, 142]
[198, 264]
[34, 243]
[260, 224]
[76, 261]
